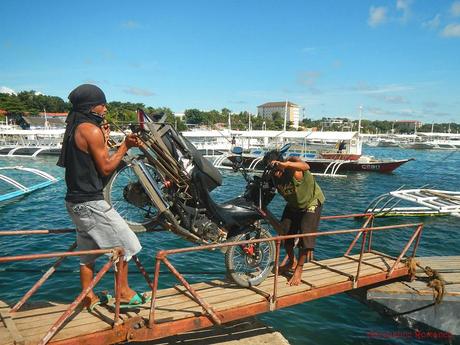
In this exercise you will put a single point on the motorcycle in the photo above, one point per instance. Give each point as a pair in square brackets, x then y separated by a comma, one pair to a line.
[168, 186]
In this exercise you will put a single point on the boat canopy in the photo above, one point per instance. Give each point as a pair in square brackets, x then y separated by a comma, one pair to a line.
[274, 134]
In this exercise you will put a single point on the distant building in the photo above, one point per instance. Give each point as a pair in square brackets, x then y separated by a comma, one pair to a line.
[342, 123]
[39, 122]
[291, 110]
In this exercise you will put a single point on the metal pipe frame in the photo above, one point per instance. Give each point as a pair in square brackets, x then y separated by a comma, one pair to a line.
[55, 327]
[415, 235]
[274, 300]
[41, 281]
[285, 237]
[352, 244]
[127, 330]
[214, 317]
[35, 232]
[358, 271]
[143, 271]
[117, 254]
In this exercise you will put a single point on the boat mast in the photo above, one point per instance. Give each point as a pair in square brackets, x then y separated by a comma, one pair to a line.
[47, 126]
[285, 115]
[360, 117]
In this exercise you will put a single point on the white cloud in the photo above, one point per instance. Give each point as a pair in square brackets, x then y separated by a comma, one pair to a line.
[391, 99]
[309, 50]
[455, 9]
[365, 88]
[139, 92]
[4, 89]
[130, 24]
[404, 6]
[308, 78]
[377, 16]
[451, 30]
[432, 23]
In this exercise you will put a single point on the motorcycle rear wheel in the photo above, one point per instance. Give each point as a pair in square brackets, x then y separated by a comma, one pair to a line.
[249, 265]
[139, 219]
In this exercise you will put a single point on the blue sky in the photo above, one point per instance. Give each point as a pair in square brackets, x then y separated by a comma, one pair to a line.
[399, 59]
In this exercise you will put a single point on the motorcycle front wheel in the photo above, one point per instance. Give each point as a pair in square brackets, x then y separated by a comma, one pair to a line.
[250, 264]
[126, 195]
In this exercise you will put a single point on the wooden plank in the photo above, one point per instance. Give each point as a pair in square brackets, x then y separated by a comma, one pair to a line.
[175, 303]
[10, 326]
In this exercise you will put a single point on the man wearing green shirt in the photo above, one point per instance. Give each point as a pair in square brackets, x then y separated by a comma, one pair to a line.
[302, 213]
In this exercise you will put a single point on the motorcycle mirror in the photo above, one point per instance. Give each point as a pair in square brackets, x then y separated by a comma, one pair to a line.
[237, 150]
[284, 149]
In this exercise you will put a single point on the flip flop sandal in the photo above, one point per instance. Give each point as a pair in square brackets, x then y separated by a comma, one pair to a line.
[135, 302]
[103, 299]
[93, 305]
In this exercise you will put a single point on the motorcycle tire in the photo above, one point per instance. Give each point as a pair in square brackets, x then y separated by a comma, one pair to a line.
[139, 219]
[249, 265]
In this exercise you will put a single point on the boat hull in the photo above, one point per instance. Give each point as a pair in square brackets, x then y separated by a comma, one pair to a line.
[320, 165]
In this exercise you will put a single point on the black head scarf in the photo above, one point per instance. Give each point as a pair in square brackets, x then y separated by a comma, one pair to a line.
[83, 99]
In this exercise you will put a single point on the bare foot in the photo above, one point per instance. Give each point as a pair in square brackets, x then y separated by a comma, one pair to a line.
[127, 295]
[287, 266]
[296, 277]
[89, 300]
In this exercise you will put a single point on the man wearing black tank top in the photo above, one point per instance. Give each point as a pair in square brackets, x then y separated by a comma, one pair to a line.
[88, 163]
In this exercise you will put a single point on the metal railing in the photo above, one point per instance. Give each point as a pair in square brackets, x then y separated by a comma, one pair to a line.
[116, 258]
[365, 232]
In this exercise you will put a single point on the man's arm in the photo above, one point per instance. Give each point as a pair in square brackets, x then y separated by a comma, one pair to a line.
[293, 163]
[296, 164]
[89, 138]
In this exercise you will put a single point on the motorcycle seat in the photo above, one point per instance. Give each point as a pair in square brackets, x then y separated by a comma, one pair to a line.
[236, 212]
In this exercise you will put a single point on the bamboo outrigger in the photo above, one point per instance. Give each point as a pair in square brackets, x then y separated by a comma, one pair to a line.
[21, 189]
[187, 307]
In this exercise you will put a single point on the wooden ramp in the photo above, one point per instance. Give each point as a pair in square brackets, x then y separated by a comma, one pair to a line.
[177, 311]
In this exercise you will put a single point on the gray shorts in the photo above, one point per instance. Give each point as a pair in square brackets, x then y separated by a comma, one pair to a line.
[99, 226]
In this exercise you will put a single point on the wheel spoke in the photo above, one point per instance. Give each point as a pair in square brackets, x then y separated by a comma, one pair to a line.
[131, 213]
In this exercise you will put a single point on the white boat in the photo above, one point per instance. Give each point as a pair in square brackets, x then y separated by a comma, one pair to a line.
[323, 142]
[30, 143]
[442, 141]
[34, 142]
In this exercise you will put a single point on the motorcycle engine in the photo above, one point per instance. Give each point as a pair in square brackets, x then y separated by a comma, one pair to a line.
[208, 230]
[135, 194]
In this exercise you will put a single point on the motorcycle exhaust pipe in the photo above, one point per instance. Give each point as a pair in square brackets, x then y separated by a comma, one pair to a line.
[150, 186]
[176, 228]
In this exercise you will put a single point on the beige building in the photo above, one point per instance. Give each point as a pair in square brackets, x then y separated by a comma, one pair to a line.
[291, 110]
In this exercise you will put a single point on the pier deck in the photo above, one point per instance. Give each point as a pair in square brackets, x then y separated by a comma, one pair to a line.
[414, 303]
[177, 311]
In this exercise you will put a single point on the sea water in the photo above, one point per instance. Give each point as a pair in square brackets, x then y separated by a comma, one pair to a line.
[333, 320]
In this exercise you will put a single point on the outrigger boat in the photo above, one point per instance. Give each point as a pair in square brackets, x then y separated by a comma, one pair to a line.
[432, 202]
[332, 164]
[19, 188]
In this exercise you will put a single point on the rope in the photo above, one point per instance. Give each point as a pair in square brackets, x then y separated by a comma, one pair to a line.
[435, 281]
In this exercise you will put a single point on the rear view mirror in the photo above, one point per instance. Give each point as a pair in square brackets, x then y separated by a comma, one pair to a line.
[237, 150]
[285, 148]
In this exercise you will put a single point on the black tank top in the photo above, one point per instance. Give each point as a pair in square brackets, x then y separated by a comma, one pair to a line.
[84, 183]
